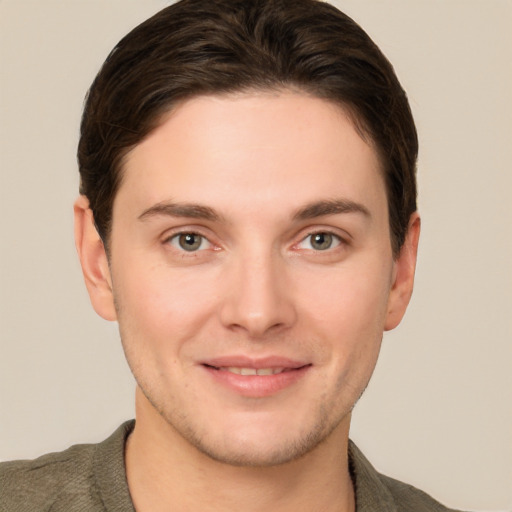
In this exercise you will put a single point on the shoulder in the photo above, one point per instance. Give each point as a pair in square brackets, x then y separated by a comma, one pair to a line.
[407, 497]
[80, 478]
[377, 492]
[41, 483]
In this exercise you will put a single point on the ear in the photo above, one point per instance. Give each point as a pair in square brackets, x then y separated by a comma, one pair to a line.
[403, 275]
[93, 259]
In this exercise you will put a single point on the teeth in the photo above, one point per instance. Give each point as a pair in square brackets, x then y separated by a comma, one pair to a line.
[253, 371]
[265, 371]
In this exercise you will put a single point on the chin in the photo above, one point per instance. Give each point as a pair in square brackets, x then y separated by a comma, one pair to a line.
[257, 455]
[260, 444]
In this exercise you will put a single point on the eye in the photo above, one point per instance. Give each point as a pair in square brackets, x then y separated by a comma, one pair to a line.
[189, 242]
[321, 241]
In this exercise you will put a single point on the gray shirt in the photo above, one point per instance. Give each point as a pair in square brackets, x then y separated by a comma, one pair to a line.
[92, 478]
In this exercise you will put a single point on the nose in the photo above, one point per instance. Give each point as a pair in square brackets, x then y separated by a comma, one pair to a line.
[258, 298]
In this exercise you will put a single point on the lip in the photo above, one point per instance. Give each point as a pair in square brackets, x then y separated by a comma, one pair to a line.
[256, 363]
[255, 386]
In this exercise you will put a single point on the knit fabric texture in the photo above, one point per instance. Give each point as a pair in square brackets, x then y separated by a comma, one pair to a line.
[92, 478]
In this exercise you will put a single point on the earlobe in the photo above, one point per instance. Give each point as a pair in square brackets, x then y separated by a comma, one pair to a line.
[403, 278]
[94, 261]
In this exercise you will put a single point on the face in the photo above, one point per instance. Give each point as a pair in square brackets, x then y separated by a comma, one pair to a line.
[252, 273]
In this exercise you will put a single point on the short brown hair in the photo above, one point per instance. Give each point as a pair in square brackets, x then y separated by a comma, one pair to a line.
[197, 47]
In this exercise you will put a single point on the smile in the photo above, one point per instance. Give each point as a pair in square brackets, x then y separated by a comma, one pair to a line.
[256, 379]
[252, 371]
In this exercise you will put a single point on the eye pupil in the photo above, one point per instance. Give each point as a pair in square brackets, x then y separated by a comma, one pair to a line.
[190, 241]
[321, 241]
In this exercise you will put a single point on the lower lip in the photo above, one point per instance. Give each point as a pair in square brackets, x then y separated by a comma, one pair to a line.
[257, 386]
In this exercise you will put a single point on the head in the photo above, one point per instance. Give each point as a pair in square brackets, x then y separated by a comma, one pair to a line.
[258, 45]
[248, 217]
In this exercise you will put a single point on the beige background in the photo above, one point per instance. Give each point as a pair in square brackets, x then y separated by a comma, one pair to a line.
[438, 412]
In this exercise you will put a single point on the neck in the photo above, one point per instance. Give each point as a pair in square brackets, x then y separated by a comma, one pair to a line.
[165, 472]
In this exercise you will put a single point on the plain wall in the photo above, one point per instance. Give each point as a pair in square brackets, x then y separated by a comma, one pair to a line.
[438, 412]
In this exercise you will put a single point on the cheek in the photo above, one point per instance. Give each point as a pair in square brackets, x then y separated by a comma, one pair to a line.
[159, 304]
[347, 300]
[347, 309]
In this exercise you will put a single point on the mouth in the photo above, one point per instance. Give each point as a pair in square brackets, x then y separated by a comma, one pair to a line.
[237, 370]
[257, 379]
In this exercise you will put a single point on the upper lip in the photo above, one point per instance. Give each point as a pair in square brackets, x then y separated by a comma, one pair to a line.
[253, 362]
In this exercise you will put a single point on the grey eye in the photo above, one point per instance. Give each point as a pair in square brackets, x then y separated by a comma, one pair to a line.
[190, 241]
[321, 241]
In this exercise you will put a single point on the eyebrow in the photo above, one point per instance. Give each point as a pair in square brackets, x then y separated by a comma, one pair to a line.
[190, 210]
[330, 207]
[309, 211]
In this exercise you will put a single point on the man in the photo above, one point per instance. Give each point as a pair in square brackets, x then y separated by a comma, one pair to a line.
[247, 215]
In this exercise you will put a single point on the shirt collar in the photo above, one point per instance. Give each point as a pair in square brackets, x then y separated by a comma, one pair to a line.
[371, 494]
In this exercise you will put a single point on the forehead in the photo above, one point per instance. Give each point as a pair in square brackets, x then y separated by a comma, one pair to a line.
[283, 146]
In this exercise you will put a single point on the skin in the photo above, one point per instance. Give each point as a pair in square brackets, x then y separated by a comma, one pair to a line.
[252, 179]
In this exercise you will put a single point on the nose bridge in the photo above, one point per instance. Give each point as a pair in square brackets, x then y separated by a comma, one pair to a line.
[257, 300]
